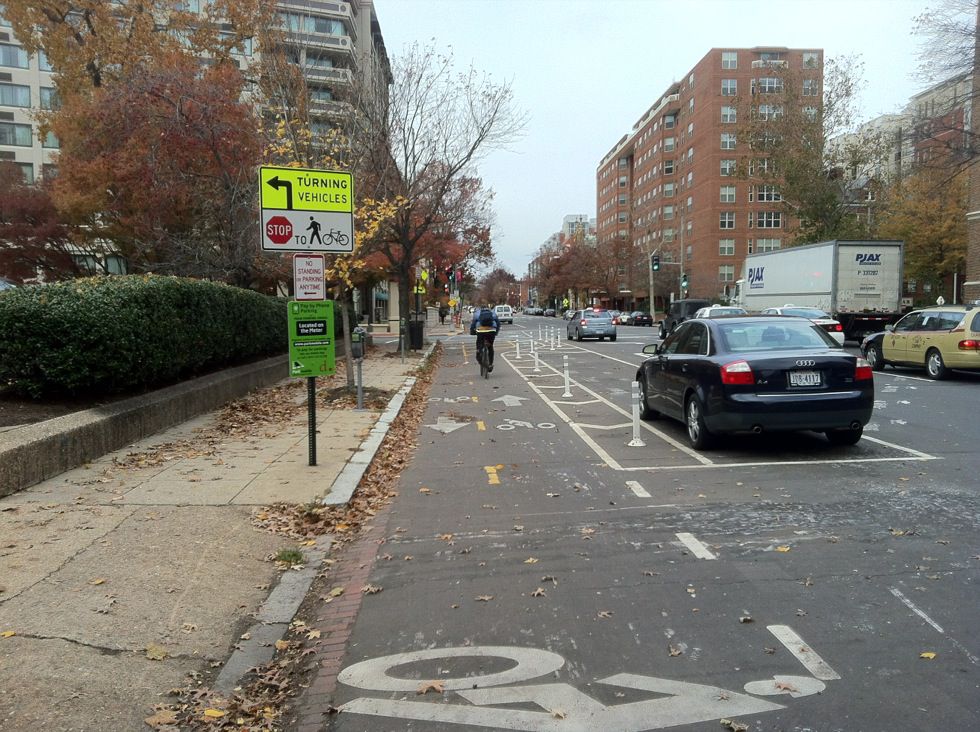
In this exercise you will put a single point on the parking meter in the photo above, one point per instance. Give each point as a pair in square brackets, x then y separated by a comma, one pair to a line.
[357, 343]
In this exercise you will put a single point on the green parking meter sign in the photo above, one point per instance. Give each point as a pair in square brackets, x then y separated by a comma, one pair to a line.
[311, 342]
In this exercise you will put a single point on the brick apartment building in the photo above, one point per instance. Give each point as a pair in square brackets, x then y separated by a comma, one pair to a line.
[671, 186]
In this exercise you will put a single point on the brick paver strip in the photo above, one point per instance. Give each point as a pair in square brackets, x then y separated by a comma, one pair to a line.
[351, 571]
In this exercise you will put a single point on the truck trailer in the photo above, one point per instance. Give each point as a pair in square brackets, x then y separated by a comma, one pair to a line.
[859, 283]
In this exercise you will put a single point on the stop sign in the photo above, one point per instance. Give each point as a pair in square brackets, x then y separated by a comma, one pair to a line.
[279, 229]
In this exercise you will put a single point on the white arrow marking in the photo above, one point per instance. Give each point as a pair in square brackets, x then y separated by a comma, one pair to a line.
[446, 425]
[510, 401]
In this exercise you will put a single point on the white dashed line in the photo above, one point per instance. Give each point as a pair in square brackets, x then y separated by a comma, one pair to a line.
[697, 548]
[638, 490]
[804, 654]
[935, 626]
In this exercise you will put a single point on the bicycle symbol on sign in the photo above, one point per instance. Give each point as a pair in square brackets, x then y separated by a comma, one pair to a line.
[683, 703]
[336, 236]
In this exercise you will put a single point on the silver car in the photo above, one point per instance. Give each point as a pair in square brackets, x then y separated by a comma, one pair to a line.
[591, 323]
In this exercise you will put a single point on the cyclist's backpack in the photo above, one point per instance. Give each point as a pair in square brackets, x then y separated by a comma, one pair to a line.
[486, 318]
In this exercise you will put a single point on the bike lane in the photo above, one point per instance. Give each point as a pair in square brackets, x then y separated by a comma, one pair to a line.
[524, 587]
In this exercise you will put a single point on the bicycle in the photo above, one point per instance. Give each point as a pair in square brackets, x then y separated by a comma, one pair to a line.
[483, 352]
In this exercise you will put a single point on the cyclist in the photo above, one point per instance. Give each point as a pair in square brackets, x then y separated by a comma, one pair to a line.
[485, 327]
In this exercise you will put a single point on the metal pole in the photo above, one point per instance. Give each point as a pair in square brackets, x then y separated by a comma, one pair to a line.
[311, 410]
[404, 335]
[360, 386]
[636, 441]
[568, 386]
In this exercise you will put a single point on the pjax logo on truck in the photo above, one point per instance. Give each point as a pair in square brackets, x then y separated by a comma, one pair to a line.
[867, 258]
[756, 277]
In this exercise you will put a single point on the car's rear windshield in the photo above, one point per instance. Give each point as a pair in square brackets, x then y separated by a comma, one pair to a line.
[762, 336]
[596, 316]
[811, 313]
[727, 311]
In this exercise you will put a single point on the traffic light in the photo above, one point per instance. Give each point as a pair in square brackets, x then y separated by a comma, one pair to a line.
[655, 262]
[684, 281]
[450, 274]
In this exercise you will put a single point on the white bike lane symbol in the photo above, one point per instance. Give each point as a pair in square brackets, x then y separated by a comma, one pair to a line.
[685, 703]
[510, 424]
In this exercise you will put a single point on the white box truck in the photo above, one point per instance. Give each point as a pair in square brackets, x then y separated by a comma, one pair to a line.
[858, 282]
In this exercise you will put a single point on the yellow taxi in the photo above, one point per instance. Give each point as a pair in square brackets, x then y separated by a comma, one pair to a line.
[938, 338]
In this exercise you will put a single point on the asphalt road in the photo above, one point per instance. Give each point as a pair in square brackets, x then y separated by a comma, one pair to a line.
[551, 577]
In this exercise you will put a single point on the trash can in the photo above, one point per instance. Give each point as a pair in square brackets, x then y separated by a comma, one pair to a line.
[415, 329]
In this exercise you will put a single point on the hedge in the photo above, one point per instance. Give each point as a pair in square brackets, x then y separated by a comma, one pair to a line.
[103, 335]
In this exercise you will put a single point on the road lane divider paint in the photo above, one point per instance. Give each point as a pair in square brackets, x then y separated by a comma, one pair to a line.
[811, 661]
[694, 544]
[638, 490]
[492, 477]
[935, 626]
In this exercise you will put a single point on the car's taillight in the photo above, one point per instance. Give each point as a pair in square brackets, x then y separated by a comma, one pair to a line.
[862, 370]
[582, 322]
[969, 345]
[737, 372]
[833, 327]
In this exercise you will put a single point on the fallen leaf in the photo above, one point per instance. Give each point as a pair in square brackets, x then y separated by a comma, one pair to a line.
[807, 582]
[552, 495]
[784, 686]
[483, 598]
[558, 714]
[649, 573]
[282, 645]
[162, 718]
[896, 532]
[691, 590]
[928, 655]
[214, 713]
[371, 589]
[518, 527]
[800, 613]
[550, 578]
[604, 614]
[156, 652]
[538, 592]
[408, 557]
[336, 592]
[425, 490]
[313, 635]
[531, 560]
[426, 686]
[782, 548]
[445, 537]
[311, 542]
[188, 627]
[734, 726]
[8, 634]
[673, 650]
[386, 557]
[245, 636]
[746, 619]
[769, 651]
[97, 581]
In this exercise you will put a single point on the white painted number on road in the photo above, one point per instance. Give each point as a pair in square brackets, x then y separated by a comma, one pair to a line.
[678, 702]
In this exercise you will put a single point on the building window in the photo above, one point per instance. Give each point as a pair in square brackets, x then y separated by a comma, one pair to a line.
[767, 193]
[114, 264]
[668, 235]
[668, 167]
[729, 59]
[927, 287]
[727, 141]
[728, 167]
[15, 95]
[668, 213]
[768, 86]
[727, 194]
[690, 104]
[668, 190]
[622, 163]
[690, 153]
[49, 98]
[769, 220]
[690, 178]
[49, 171]
[14, 56]
[51, 142]
[621, 218]
[4, 23]
[810, 114]
[810, 88]
[622, 199]
[668, 144]
[690, 128]
[769, 111]
[726, 247]
[14, 134]
[726, 220]
[42, 62]
[729, 87]
[911, 285]
[810, 59]
[622, 181]
[669, 121]
[726, 272]
[86, 263]
[318, 94]
[762, 166]
[768, 245]
[729, 115]
[296, 23]
[316, 61]
[27, 171]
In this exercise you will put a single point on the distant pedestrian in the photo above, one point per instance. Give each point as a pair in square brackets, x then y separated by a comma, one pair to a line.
[443, 312]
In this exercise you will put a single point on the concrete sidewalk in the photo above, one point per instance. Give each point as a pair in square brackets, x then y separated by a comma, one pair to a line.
[151, 551]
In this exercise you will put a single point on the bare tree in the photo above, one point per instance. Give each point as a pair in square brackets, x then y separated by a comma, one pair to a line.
[429, 135]
[948, 34]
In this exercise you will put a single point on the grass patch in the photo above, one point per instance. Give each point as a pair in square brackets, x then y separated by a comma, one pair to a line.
[290, 556]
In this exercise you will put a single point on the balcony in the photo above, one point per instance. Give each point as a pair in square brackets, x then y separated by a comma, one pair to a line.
[322, 41]
[330, 108]
[332, 76]
[770, 64]
[340, 10]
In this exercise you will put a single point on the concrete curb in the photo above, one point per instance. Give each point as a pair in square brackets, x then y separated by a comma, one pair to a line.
[31, 454]
[350, 477]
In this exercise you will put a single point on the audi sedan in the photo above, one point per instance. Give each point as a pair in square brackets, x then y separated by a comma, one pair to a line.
[756, 374]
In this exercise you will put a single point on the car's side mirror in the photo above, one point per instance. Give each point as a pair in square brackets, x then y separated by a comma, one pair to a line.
[889, 328]
[651, 349]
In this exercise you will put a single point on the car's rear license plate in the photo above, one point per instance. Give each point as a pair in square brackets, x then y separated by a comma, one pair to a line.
[804, 378]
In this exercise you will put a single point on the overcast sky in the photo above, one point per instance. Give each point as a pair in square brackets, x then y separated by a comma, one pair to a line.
[586, 70]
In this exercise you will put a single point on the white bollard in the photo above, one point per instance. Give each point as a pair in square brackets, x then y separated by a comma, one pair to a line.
[537, 362]
[517, 344]
[568, 386]
[636, 441]
[558, 335]
[539, 331]
[551, 338]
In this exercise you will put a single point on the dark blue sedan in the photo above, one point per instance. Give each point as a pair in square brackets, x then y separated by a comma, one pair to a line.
[753, 374]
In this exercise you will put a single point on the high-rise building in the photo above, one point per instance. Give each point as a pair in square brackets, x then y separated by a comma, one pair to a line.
[672, 185]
